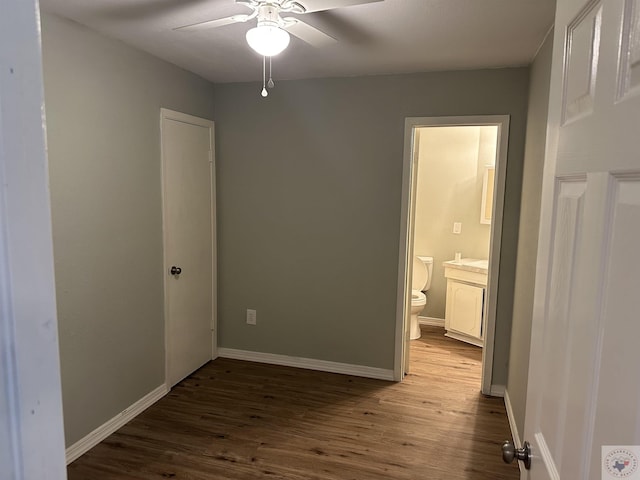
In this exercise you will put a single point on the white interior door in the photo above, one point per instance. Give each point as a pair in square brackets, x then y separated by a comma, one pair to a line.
[584, 387]
[188, 204]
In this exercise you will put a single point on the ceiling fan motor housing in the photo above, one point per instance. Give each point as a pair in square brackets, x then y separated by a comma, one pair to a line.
[269, 15]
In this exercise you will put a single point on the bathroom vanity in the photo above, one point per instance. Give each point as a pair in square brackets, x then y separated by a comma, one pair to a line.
[466, 293]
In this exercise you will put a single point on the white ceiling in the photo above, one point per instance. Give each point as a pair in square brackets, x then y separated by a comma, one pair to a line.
[391, 36]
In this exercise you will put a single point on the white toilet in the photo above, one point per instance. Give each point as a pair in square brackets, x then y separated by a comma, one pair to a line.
[421, 281]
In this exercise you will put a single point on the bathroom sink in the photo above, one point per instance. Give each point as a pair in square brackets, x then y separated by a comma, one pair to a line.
[469, 265]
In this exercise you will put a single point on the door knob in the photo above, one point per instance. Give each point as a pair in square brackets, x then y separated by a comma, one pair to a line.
[510, 452]
[175, 270]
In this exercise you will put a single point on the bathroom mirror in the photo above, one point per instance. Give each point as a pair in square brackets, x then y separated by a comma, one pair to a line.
[487, 195]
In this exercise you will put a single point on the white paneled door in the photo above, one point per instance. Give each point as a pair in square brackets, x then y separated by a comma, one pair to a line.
[584, 380]
[189, 241]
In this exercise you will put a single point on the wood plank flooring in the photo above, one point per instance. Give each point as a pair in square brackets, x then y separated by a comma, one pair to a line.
[241, 420]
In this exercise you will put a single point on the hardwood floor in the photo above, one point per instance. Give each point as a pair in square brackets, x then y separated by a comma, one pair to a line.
[241, 420]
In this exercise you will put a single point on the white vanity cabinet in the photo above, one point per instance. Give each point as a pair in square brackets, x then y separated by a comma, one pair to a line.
[466, 287]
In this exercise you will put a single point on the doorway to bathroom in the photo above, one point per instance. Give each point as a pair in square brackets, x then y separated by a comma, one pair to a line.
[452, 205]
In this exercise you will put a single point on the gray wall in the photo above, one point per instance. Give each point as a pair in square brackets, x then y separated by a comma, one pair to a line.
[309, 190]
[103, 102]
[528, 237]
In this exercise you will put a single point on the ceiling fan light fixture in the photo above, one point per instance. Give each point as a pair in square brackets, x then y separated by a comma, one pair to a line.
[268, 40]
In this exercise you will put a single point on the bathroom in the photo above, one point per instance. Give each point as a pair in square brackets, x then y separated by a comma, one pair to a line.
[452, 225]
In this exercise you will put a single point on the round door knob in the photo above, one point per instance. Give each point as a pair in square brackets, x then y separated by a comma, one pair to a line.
[175, 270]
[510, 453]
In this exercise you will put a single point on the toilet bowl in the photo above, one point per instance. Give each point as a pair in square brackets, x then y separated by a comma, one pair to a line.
[421, 281]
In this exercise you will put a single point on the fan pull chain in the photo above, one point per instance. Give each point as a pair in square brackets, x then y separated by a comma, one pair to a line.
[270, 84]
[264, 92]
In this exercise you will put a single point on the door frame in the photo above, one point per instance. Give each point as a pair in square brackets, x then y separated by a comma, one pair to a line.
[32, 438]
[409, 187]
[166, 114]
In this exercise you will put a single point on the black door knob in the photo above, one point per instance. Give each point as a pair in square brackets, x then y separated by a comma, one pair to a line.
[175, 270]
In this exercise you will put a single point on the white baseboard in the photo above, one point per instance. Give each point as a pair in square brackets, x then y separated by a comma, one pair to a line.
[431, 321]
[512, 421]
[497, 390]
[103, 431]
[513, 426]
[308, 363]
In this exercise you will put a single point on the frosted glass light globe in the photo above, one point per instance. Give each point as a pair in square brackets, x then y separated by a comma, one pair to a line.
[267, 40]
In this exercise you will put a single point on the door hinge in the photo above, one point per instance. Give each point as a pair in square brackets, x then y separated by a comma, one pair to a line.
[210, 156]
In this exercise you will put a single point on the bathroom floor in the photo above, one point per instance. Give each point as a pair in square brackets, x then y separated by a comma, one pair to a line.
[242, 420]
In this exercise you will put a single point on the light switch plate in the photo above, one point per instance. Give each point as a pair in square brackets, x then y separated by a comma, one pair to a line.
[251, 317]
[457, 228]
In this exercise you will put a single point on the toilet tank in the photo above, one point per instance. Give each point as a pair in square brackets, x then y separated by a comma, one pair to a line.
[422, 268]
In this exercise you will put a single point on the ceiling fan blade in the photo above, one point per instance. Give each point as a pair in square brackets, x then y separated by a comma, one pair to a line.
[220, 22]
[321, 5]
[307, 33]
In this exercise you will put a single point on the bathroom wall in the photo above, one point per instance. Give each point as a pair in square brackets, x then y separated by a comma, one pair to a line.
[451, 166]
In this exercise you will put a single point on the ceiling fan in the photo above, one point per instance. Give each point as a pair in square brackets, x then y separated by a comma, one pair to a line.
[271, 35]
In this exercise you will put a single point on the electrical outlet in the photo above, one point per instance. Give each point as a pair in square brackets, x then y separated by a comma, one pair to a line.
[251, 317]
[457, 228]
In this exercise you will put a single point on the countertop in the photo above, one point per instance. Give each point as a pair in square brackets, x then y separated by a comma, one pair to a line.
[469, 264]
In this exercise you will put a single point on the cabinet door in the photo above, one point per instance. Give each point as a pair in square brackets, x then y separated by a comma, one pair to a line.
[464, 303]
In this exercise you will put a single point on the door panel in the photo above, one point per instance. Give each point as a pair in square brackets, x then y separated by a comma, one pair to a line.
[583, 45]
[188, 194]
[584, 391]
[629, 65]
[568, 216]
[618, 393]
